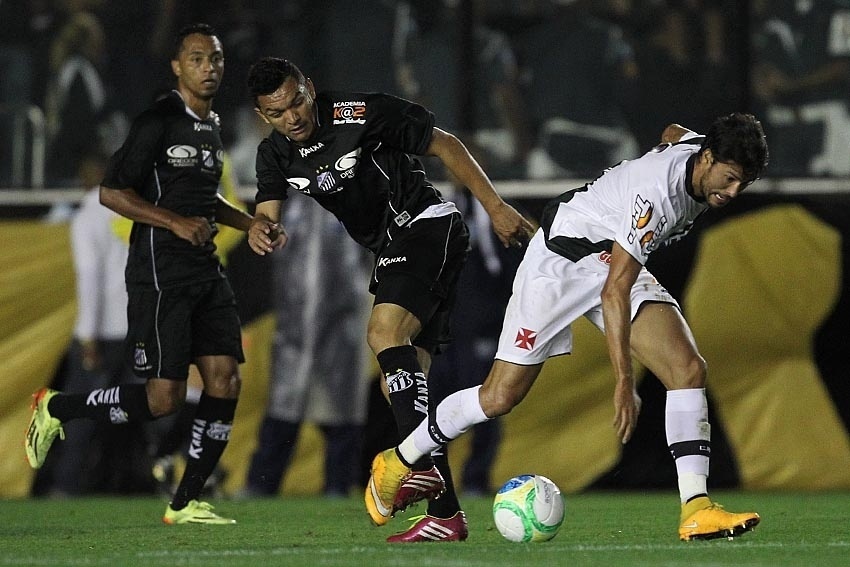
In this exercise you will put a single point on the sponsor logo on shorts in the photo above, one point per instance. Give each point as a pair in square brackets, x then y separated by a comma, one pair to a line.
[399, 381]
[525, 339]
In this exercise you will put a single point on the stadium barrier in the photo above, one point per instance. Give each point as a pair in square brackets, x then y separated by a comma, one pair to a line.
[761, 283]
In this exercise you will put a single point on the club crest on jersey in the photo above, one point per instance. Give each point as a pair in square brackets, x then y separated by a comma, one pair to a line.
[326, 182]
[525, 339]
[349, 112]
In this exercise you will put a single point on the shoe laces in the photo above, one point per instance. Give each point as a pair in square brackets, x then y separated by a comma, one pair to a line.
[414, 519]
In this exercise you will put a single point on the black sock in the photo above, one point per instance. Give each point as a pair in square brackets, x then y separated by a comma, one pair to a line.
[119, 404]
[210, 433]
[407, 386]
[446, 505]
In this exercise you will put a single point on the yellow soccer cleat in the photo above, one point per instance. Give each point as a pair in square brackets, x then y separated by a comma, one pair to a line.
[387, 474]
[43, 428]
[194, 513]
[714, 522]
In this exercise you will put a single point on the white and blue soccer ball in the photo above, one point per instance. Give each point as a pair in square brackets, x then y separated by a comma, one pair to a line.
[528, 508]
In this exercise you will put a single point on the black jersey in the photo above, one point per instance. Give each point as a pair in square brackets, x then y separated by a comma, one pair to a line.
[359, 164]
[174, 161]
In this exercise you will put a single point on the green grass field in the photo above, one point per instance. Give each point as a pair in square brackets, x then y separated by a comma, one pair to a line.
[610, 529]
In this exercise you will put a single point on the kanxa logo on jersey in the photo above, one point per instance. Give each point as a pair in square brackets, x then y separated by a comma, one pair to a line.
[349, 112]
[314, 148]
[383, 262]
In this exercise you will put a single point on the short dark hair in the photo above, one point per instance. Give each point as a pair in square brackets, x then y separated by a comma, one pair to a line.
[267, 74]
[739, 138]
[203, 29]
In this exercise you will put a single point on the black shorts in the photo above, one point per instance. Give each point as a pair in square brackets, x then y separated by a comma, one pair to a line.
[419, 270]
[169, 329]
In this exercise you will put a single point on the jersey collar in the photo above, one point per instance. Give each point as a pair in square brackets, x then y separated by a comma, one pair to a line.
[689, 177]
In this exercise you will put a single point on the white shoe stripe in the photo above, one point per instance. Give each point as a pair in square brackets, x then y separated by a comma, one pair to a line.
[435, 531]
[379, 504]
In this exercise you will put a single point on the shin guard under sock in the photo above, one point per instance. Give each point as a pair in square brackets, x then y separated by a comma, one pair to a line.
[210, 434]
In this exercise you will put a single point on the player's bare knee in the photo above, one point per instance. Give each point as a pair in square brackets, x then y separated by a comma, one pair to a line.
[693, 374]
[164, 401]
[497, 401]
[226, 386]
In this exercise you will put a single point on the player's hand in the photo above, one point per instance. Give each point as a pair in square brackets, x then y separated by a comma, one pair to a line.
[627, 405]
[196, 230]
[512, 228]
[265, 236]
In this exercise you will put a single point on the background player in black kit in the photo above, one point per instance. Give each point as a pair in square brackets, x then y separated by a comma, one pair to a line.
[354, 154]
[181, 308]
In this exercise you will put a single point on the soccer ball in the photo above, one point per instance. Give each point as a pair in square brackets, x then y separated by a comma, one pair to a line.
[528, 507]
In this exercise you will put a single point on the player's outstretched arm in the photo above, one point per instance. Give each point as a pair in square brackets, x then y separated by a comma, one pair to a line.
[511, 227]
[616, 313]
[229, 214]
[265, 233]
[128, 203]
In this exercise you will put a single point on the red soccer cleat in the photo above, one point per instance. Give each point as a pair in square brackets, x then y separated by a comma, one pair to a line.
[429, 528]
[419, 485]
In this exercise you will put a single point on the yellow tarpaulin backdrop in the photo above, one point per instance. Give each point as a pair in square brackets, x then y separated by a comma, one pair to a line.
[761, 285]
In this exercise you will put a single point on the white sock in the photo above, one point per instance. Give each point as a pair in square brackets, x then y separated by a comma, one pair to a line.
[689, 439]
[454, 416]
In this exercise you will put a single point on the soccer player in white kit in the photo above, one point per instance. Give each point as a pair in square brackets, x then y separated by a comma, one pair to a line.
[587, 259]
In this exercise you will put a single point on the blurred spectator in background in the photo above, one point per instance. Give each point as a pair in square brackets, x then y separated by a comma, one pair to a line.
[25, 32]
[683, 64]
[801, 83]
[76, 102]
[91, 460]
[318, 371]
[576, 66]
[430, 69]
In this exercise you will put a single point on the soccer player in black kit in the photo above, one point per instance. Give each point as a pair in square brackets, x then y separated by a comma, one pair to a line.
[354, 153]
[181, 308]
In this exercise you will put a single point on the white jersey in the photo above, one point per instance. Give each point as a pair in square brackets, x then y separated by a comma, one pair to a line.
[640, 204]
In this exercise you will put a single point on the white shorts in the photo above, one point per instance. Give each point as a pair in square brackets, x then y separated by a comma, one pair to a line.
[551, 292]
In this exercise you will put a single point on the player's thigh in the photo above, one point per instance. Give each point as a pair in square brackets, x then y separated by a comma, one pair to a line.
[549, 294]
[158, 332]
[663, 342]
